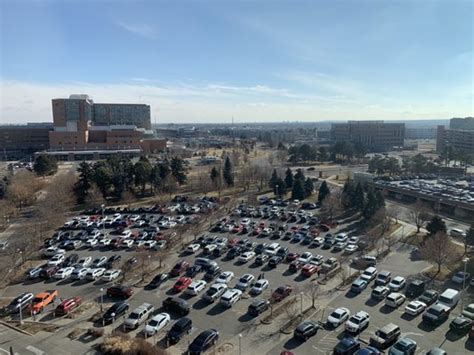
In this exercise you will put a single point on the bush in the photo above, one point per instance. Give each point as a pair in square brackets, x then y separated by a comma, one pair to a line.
[124, 345]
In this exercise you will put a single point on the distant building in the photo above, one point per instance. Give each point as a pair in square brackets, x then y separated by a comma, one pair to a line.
[461, 139]
[420, 133]
[21, 141]
[375, 135]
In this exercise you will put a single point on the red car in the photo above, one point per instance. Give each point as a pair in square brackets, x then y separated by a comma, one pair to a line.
[182, 284]
[257, 231]
[119, 291]
[237, 229]
[232, 242]
[67, 306]
[309, 269]
[261, 225]
[324, 227]
[295, 228]
[180, 267]
[292, 257]
[281, 292]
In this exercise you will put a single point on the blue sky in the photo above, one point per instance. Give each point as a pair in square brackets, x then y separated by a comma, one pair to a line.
[209, 61]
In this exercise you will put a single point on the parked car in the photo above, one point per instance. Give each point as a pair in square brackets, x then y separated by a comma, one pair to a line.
[115, 312]
[461, 325]
[258, 306]
[156, 281]
[383, 278]
[259, 286]
[195, 287]
[67, 306]
[215, 292]
[42, 300]
[436, 314]
[358, 285]
[461, 277]
[20, 303]
[385, 336]
[138, 316]
[181, 284]
[305, 330]
[404, 346]
[179, 268]
[230, 297]
[179, 329]
[119, 291]
[357, 322]
[468, 311]
[394, 299]
[346, 346]
[415, 308]
[203, 341]
[110, 275]
[281, 293]
[397, 284]
[156, 323]
[246, 281]
[415, 288]
[176, 305]
[429, 297]
[337, 317]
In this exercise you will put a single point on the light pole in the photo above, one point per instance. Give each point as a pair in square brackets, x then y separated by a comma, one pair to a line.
[21, 315]
[113, 318]
[276, 190]
[101, 300]
[301, 302]
[240, 343]
[465, 260]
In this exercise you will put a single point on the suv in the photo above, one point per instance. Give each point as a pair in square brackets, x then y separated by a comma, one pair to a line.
[203, 341]
[415, 288]
[179, 268]
[138, 316]
[179, 329]
[214, 292]
[176, 305]
[258, 306]
[115, 311]
[357, 322]
[380, 292]
[429, 297]
[436, 314]
[383, 278]
[306, 330]
[19, 303]
[385, 336]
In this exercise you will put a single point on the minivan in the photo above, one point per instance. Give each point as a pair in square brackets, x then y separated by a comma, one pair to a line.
[138, 316]
[179, 329]
[230, 297]
[385, 336]
[449, 297]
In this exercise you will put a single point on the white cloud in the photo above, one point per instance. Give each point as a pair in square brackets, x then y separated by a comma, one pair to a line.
[140, 29]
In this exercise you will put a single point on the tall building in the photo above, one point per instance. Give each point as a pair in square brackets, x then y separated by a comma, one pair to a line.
[21, 141]
[375, 135]
[459, 135]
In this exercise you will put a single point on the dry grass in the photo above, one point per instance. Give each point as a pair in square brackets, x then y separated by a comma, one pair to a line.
[124, 345]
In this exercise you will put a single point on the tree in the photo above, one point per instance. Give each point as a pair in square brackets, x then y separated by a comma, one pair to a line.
[298, 192]
[300, 175]
[371, 204]
[228, 173]
[155, 178]
[358, 201]
[322, 154]
[419, 216]
[214, 175]
[289, 178]
[280, 187]
[142, 172]
[323, 191]
[84, 182]
[178, 170]
[439, 250]
[308, 187]
[45, 165]
[332, 206]
[469, 239]
[436, 225]
[273, 179]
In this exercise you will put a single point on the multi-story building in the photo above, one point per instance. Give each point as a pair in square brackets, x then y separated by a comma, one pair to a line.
[375, 135]
[21, 141]
[461, 139]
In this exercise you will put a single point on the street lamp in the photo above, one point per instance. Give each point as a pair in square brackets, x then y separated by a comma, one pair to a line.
[240, 343]
[465, 260]
[101, 299]
[276, 190]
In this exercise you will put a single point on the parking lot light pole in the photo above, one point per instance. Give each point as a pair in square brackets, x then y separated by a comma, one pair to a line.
[240, 343]
[101, 300]
[465, 260]
[21, 315]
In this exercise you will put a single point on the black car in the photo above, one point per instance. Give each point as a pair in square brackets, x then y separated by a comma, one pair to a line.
[117, 310]
[274, 261]
[306, 330]
[219, 251]
[282, 252]
[70, 260]
[436, 314]
[212, 272]
[179, 329]
[233, 252]
[258, 306]
[194, 270]
[156, 281]
[113, 260]
[260, 248]
[429, 297]
[460, 325]
[176, 305]
[20, 302]
[415, 288]
[203, 341]
[346, 346]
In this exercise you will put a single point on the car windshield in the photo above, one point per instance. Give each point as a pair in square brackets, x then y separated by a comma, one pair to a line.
[134, 315]
[153, 323]
[337, 314]
[356, 320]
[434, 311]
[400, 346]
[37, 299]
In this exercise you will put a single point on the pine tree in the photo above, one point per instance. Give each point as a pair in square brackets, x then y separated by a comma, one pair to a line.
[280, 187]
[228, 173]
[300, 175]
[308, 187]
[214, 175]
[289, 178]
[323, 191]
[164, 168]
[436, 225]
[469, 240]
[371, 204]
[178, 170]
[297, 192]
[84, 182]
[45, 165]
[273, 179]
[358, 199]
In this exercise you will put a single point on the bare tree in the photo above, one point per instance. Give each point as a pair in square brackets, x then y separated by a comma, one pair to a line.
[439, 250]
[23, 188]
[314, 292]
[332, 205]
[419, 216]
[94, 198]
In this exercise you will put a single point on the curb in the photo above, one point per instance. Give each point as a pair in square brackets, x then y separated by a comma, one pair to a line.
[11, 326]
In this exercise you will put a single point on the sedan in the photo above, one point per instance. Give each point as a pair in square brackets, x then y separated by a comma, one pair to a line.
[203, 341]
[397, 284]
[359, 285]
[225, 277]
[193, 248]
[338, 316]
[195, 287]
[182, 283]
[247, 256]
[468, 312]
[415, 308]
[461, 277]
[157, 323]
[259, 286]
[99, 262]
[281, 292]
[245, 282]
[110, 275]
[305, 257]
[56, 260]
[351, 248]
[64, 273]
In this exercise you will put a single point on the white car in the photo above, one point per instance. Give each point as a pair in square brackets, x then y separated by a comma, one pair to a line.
[196, 287]
[318, 241]
[209, 248]
[341, 238]
[51, 251]
[157, 323]
[225, 277]
[357, 322]
[369, 274]
[94, 274]
[150, 244]
[214, 292]
[105, 242]
[245, 281]
[63, 273]
[353, 240]
[180, 219]
[305, 257]
[461, 277]
[56, 260]
[338, 316]
[397, 284]
[414, 308]
[84, 262]
[110, 275]
[99, 262]
[79, 273]
[247, 256]
[127, 243]
[245, 222]
[394, 299]
[266, 231]
[351, 248]
[259, 286]
[92, 242]
[192, 248]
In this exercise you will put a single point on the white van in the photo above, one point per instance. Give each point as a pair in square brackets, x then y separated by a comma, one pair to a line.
[449, 297]
[230, 297]
[457, 233]
[272, 249]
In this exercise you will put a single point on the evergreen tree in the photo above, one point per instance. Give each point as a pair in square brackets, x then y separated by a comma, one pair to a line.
[358, 200]
[228, 173]
[45, 165]
[164, 169]
[380, 199]
[214, 175]
[371, 204]
[273, 179]
[178, 170]
[436, 225]
[300, 175]
[323, 191]
[308, 187]
[280, 187]
[142, 173]
[102, 177]
[322, 154]
[289, 178]
[348, 192]
[298, 192]
[155, 178]
[84, 182]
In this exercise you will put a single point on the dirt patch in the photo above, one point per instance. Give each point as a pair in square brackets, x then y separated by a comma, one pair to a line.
[34, 327]
[75, 333]
[81, 310]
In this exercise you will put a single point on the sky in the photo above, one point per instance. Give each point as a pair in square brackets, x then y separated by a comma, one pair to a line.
[201, 61]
